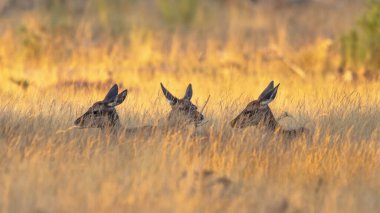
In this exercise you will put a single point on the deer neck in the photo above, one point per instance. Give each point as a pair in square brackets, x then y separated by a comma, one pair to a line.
[270, 121]
[113, 124]
[176, 121]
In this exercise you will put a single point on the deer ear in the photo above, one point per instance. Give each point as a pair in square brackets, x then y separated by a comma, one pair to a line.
[112, 94]
[169, 97]
[121, 97]
[188, 93]
[267, 89]
[269, 96]
[118, 100]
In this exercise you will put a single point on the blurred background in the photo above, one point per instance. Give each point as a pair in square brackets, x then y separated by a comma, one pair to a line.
[66, 42]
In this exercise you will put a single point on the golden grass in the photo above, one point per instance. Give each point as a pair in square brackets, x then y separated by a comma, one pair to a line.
[44, 169]
[47, 167]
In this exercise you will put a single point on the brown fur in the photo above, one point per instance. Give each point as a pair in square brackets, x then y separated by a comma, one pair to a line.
[183, 111]
[258, 113]
[103, 114]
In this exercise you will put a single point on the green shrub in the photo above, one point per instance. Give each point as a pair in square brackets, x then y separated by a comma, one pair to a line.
[178, 12]
[106, 15]
[361, 46]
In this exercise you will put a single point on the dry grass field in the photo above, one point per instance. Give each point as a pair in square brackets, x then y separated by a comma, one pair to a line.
[51, 75]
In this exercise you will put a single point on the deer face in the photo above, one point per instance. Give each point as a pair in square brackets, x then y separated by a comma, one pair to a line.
[258, 110]
[102, 114]
[183, 111]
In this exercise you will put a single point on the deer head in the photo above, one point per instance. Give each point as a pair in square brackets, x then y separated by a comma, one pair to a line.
[183, 111]
[258, 110]
[102, 114]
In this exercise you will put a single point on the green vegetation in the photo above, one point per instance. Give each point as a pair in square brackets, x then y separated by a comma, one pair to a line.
[178, 12]
[361, 46]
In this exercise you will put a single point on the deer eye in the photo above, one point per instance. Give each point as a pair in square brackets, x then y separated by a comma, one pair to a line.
[186, 108]
[251, 112]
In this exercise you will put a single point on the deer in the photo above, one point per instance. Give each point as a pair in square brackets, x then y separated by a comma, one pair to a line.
[258, 113]
[103, 114]
[183, 111]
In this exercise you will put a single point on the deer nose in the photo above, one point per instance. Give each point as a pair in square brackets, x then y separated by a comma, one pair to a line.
[202, 117]
[232, 123]
[78, 121]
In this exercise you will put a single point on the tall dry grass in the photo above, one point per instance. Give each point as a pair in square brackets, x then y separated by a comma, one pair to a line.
[49, 78]
[46, 169]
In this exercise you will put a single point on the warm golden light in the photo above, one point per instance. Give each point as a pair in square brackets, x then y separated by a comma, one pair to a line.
[57, 58]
